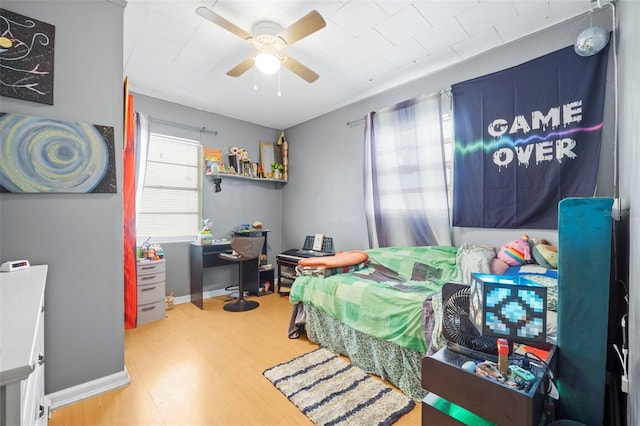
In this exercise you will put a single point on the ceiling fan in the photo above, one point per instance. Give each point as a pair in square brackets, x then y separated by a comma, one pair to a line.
[269, 39]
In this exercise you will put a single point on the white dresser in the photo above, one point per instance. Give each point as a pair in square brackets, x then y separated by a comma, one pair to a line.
[22, 400]
[151, 290]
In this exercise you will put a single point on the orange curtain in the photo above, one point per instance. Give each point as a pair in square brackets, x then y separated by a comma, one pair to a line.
[129, 215]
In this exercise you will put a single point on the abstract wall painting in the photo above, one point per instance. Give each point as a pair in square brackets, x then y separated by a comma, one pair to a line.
[39, 155]
[26, 58]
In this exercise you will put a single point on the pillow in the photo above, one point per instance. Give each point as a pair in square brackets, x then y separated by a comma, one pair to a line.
[474, 258]
[342, 258]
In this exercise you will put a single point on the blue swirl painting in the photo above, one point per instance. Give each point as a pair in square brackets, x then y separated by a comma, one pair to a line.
[45, 155]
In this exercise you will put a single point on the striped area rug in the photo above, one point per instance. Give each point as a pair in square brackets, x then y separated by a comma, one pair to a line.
[330, 391]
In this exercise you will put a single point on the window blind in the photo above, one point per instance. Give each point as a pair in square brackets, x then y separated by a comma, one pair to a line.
[171, 198]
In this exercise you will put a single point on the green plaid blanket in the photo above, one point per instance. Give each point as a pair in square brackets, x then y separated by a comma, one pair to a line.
[384, 299]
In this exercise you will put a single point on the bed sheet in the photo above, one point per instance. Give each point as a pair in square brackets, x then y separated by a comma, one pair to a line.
[384, 299]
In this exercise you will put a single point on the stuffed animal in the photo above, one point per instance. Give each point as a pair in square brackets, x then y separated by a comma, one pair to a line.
[545, 254]
[516, 252]
[513, 253]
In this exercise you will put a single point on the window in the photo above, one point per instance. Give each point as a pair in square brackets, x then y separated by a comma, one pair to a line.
[170, 209]
[405, 185]
[411, 164]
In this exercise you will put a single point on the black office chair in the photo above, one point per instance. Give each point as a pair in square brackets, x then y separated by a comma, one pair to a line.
[248, 249]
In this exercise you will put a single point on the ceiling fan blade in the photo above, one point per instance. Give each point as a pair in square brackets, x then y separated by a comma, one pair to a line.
[297, 68]
[241, 68]
[209, 14]
[307, 25]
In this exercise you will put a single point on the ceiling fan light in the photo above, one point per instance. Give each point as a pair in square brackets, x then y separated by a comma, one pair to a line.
[268, 63]
[591, 41]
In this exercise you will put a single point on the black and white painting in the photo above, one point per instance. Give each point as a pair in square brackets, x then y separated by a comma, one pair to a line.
[26, 58]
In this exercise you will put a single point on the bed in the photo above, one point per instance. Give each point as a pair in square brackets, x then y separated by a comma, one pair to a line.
[384, 314]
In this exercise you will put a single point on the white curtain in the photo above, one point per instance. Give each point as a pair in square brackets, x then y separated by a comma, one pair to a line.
[405, 185]
[141, 147]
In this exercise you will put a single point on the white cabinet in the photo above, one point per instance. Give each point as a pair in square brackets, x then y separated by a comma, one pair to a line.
[151, 290]
[22, 400]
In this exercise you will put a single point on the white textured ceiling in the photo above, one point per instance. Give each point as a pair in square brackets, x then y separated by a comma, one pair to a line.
[367, 47]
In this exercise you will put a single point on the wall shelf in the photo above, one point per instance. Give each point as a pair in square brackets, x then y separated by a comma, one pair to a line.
[213, 176]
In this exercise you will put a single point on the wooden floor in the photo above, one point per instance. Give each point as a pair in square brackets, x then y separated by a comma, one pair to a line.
[203, 368]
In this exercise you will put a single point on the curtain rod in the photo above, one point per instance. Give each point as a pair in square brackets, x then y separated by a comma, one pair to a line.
[355, 122]
[183, 126]
[361, 120]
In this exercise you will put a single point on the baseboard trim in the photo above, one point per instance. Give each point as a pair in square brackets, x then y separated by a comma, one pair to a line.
[86, 390]
[206, 295]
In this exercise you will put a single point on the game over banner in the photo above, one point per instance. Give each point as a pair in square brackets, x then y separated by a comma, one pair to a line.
[527, 137]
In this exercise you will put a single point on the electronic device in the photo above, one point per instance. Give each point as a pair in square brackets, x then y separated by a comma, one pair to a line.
[308, 249]
[14, 265]
[522, 373]
[508, 307]
[317, 242]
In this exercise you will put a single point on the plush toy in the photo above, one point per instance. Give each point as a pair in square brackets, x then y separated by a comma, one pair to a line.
[513, 253]
[516, 252]
[545, 254]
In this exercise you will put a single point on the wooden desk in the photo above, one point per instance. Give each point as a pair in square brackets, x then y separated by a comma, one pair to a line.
[206, 256]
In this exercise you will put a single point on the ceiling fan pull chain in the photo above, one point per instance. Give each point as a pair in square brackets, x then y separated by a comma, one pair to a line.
[255, 79]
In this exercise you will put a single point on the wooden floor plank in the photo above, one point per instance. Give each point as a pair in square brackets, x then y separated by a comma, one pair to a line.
[203, 368]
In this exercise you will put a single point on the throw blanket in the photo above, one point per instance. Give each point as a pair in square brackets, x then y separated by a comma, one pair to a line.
[384, 299]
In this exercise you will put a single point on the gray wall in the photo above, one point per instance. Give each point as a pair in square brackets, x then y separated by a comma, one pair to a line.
[629, 129]
[241, 201]
[78, 235]
[327, 154]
